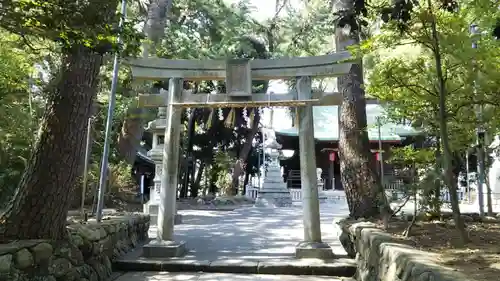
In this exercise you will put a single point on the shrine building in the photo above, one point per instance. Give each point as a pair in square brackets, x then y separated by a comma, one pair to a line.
[326, 135]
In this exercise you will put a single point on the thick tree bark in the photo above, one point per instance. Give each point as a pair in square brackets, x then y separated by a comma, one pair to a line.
[133, 125]
[131, 134]
[155, 24]
[245, 150]
[364, 192]
[359, 178]
[40, 205]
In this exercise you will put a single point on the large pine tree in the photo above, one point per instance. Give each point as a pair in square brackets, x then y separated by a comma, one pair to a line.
[39, 207]
[361, 183]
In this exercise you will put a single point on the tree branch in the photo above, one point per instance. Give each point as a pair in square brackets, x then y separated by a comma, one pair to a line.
[472, 103]
[401, 84]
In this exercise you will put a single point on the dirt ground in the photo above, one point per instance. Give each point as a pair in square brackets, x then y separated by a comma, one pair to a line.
[479, 259]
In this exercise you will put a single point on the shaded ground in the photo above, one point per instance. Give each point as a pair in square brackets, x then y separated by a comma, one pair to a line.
[479, 259]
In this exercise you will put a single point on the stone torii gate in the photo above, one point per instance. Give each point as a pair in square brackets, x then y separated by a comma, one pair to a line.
[238, 74]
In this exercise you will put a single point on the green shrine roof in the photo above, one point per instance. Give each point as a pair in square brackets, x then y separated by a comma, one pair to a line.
[326, 126]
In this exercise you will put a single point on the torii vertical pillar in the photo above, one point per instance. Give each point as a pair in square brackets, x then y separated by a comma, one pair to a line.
[312, 246]
[164, 245]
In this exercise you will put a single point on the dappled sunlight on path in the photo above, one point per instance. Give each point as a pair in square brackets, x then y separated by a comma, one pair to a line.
[253, 233]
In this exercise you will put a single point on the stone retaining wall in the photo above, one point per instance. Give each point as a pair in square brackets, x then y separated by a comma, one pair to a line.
[382, 257]
[85, 256]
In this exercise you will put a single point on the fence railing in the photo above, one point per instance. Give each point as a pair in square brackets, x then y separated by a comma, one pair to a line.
[251, 192]
[394, 191]
[296, 194]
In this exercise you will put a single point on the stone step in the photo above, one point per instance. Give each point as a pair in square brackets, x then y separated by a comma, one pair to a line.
[199, 276]
[339, 267]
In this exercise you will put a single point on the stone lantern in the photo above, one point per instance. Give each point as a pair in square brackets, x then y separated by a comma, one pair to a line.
[157, 129]
[274, 192]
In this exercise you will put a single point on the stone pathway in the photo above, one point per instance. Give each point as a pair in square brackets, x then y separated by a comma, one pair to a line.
[248, 240]
[165, 276]
[253, 233]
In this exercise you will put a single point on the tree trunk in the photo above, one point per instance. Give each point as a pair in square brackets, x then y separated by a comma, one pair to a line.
[245, 182]
[212, 181]
[191, 178]
[362, 186]
[40, 205]
[364, 191]
[190, 161]
[489, 199]
[133, 125]
[243, 156]
[155, 24]
[443, 129]
[196, 183]
[482, 162]
[131, 134]
[436, 194]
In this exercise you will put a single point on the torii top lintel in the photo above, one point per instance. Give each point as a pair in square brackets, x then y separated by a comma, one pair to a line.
[336, 64]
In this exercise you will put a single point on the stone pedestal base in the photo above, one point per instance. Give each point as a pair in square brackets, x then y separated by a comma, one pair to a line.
[178, 219]
[313, 250]
[164, 249]
[151, 208]
[321, 197]
[273, 198]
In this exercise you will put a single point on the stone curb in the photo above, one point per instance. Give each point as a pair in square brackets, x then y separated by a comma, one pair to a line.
[339, 268]
[381, 256]
[86, 254]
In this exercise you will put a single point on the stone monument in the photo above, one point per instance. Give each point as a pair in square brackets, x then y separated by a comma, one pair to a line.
[321, 184]
[274, 192]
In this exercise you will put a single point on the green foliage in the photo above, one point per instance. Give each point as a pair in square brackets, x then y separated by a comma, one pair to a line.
[403, 73]
[424, 174]
[407, 155]
[22, 106]
[99, 123]
[305, 30]
[200, 29]
[69, 23]
[439, 84]
[18, 113]
[119, 177]
[223, 162]
[196, 29]
[205, 29]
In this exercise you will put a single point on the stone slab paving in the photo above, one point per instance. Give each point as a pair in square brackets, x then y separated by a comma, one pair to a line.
[248, 240]
[165, 276]
[253, 233]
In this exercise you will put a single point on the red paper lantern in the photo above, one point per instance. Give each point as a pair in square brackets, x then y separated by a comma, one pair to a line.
[332, 156]
[377, 156]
